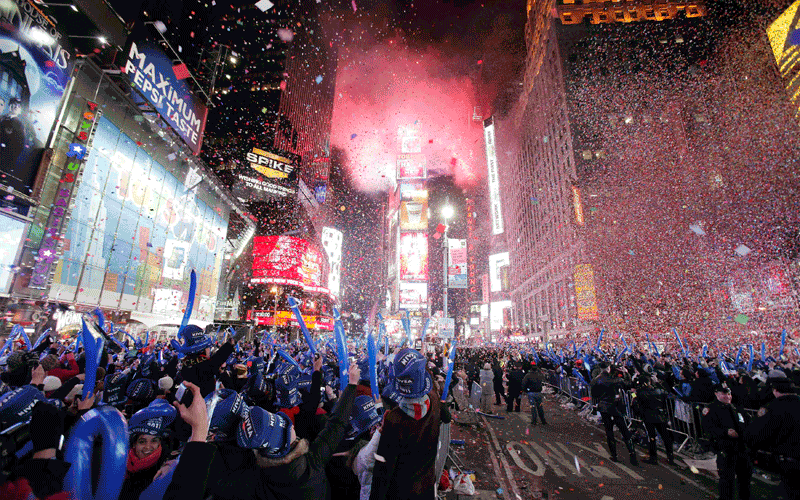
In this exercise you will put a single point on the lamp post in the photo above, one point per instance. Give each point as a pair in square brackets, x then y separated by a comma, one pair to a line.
[447, 213]
[274, 290]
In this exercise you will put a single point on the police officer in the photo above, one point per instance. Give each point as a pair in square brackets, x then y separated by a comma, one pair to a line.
[607, 389]
[776, 429]
[652, 402]
[726, 423]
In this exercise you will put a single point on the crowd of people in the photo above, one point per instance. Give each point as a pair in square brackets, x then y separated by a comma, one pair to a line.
[227, 418]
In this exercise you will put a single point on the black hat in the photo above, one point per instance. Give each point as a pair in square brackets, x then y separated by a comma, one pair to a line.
[722, 388]
[783, 385]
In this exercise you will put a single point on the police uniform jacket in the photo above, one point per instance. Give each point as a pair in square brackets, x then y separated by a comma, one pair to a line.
[652, 403]
[607, 394]
[776, 429]
[717, 419]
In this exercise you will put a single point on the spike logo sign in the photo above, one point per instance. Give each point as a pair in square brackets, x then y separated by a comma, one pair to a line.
[151, 72]
[271, 175]
[76, 156]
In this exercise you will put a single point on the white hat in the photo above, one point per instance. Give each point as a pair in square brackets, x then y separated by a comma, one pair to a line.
[165, 383]
[51, 383]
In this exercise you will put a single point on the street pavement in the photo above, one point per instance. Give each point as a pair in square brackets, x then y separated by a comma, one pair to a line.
[568, 459]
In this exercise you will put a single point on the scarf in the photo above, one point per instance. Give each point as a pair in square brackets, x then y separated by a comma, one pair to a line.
[136, 464]
[416, 408]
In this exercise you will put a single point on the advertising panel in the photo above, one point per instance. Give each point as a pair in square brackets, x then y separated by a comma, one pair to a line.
[577, 204]
[268, 175]
[411, 166]
[287, 318]
[136, 232]
[35, 65]
[457, 263]
[287, 260]
[585, 295]
[151, 72]
[499, 314]
[413, 295]
[414, 215]
[11, 231]
[75, 156]
[493, 177]
[414, 257]
[447, 328]
[332, 244]
[498, 271]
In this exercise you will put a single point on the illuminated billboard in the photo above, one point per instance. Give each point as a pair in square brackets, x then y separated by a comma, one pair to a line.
[457, 263]
[285, 260]
[783, 39]
[151, 72]
[498, 271]
[332, 244]
[414, 257]
[411, 166]
[414, 215]
[577, 205]
[268, 175]
[585, 295]
[499, 314]
[413, 295]
[494, 177]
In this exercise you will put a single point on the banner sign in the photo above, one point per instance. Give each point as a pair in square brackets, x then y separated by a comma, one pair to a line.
[76, 155]
[457, 263]
[494, 177]
[151, 72]
[411, 166]
[498, 271]
[271, 175]
[293, 260]
[332, 244]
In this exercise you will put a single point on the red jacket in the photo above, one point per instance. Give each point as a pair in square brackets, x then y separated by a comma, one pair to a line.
[21, 490]
[65, 374]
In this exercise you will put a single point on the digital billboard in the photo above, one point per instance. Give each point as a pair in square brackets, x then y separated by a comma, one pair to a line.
[286, 260]
[414, 215]
[151, 72]
[268, 175]
[585, 295]
[413, 295]
[332, 244]
[411, 166]
[499, 314]
[498, 271]
[11, 231]
[35, 65]
[782, 34]
[136, 232]
[494, 177]
[414, 256]
[457, 263]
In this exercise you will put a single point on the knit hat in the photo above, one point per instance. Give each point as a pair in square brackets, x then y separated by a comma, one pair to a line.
[389, 394]
[165, 383]
[115, 388]
[269, 433]
[411, 379]
[78, 389]
[226, 414]
[286, 388]
[152, 420]
[363, 416]
[19, 359]
[51, 383]
[255, 363]
[141, 390]
[17, 405]
[49, 362]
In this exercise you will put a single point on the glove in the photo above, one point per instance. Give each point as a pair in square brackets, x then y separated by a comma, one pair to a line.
[46, 427]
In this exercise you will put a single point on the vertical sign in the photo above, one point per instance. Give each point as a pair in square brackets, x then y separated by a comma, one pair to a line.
[332, 243]
[585, 295]
[76, 155]
[578, 204]
[494, 177]
[457, 263]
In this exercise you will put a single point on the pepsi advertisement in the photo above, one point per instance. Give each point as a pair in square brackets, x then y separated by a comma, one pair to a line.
[35, 65]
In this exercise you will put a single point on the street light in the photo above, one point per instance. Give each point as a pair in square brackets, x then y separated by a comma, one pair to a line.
[447, 213]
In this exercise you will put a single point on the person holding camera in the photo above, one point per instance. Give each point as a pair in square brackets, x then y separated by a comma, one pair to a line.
[607, 391]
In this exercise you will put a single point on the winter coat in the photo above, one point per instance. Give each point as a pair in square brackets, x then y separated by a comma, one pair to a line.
[652, 404]
[191, 475]
[487, 378]
[498, 379]
[136, 482]
[300, 475]
[607, 393]
[532, 382]
[364, 464]
[202, 374]
[515, 383]
[702, 390]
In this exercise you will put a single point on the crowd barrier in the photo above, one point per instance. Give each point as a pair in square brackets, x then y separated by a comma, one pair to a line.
[683, 418]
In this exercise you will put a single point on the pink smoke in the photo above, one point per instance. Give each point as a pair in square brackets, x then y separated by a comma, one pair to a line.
[386, 86]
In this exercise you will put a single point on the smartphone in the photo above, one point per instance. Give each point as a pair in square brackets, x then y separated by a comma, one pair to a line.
[184, 396]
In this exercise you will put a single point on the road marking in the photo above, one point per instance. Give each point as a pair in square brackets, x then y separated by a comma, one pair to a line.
[509, 474]
[595, 470]
[515, 455]
[544, 454]
[600, 452]
[497, 471]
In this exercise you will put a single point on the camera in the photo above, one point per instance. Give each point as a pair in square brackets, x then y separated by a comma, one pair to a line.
[15, 446]
[184, 396]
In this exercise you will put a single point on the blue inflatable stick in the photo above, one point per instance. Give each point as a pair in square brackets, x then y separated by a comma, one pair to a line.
[783, 342]
[373, 365]
[108, 424]
[450, 366]
[93, 342]
[187, 313]
[341, 349]
[294, 305]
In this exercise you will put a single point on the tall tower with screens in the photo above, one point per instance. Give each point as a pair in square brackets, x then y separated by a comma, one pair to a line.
[408, 226]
